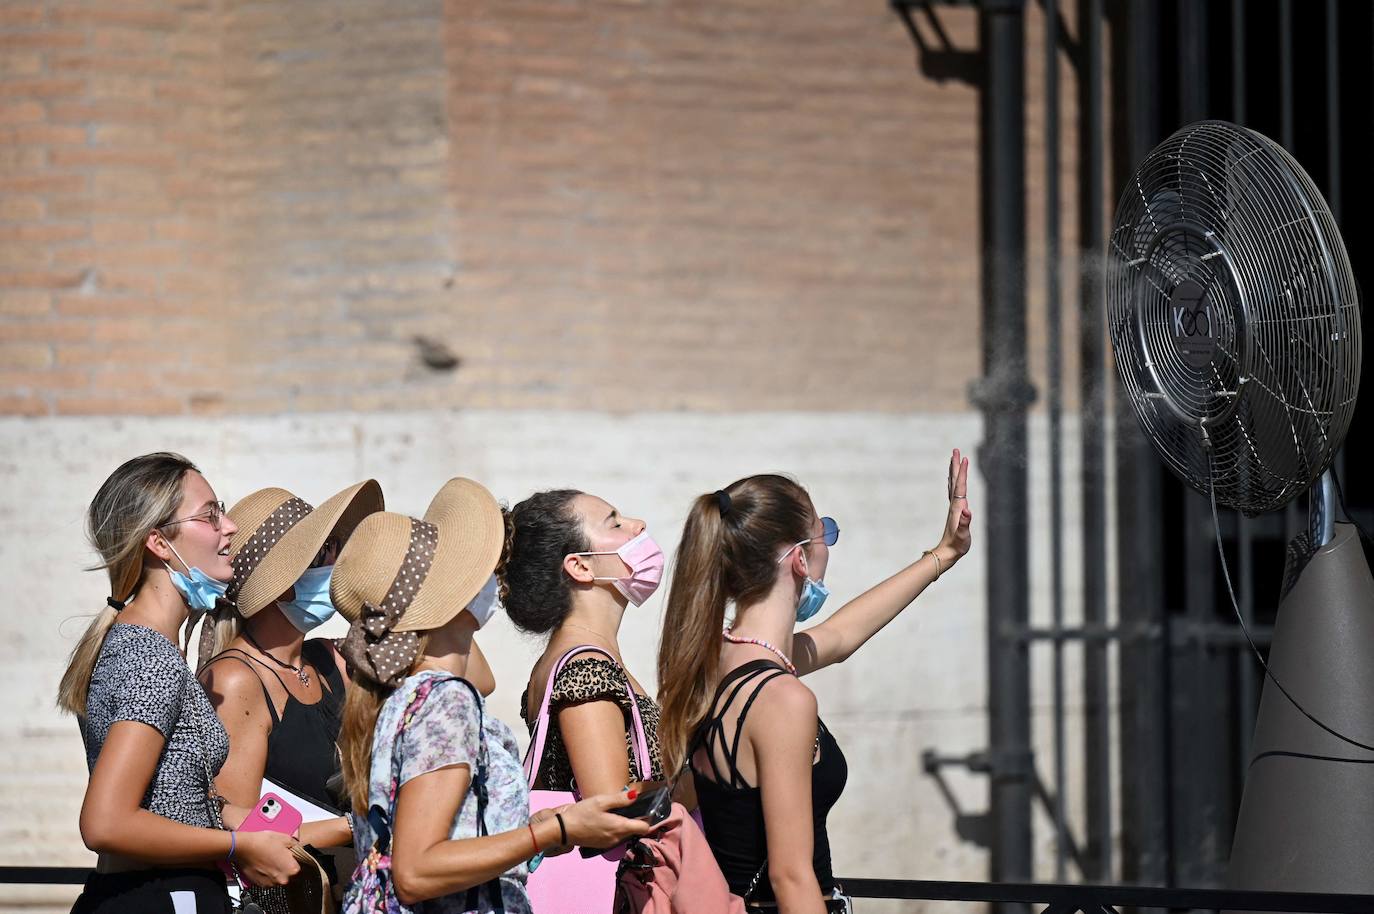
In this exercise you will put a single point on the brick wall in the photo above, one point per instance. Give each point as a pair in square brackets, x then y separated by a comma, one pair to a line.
[235, 207]
[107, 125]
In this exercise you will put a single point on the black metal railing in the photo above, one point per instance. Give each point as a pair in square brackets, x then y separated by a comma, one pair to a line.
[1050, 898]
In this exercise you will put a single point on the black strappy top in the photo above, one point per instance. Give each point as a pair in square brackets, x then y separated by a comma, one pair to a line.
[732, 809]
[301, 748]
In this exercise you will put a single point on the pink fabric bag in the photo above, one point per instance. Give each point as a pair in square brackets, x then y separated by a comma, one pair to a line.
[571, 883]
[672, 871]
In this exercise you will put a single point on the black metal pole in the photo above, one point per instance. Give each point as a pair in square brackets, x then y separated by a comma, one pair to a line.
[1144, 681]
[1093, 439]
[1055, 369]
[1004, 394]
[1333, 111]
[1238, 42]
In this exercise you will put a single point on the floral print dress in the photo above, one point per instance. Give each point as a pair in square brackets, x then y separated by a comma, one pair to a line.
[444, 732]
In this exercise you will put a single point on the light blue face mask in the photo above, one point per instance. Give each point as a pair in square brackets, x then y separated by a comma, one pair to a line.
[813, 594]
[198, 589]
[312, 606]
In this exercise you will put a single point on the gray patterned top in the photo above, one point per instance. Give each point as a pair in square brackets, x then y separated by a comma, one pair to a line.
[442, 733]
[142, 676]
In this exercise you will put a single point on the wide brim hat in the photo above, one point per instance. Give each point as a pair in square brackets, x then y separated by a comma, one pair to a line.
[279, 535]
[469, 533]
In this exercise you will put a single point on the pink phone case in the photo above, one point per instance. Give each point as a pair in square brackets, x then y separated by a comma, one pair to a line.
[272, 813]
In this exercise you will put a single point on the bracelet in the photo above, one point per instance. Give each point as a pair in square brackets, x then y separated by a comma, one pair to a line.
[533, 840]
[232, 842]
[939, 569]
[562, 830]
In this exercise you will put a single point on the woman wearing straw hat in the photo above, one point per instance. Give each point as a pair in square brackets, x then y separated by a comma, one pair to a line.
[279, 695]
[443, 780]
[152, 740]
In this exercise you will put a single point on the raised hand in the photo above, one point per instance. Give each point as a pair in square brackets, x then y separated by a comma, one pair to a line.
[957, 538]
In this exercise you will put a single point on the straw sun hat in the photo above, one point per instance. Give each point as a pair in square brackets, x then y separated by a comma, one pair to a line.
[429, 569]
[279, 535]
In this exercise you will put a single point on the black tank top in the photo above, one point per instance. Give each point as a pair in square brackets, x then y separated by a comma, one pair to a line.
[301, 748]
[732, 809]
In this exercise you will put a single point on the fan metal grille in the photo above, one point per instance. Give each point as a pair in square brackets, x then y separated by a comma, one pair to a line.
[1233, 313]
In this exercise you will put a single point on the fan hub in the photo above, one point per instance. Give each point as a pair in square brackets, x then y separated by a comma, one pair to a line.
[1192, 324]
[1189, 320]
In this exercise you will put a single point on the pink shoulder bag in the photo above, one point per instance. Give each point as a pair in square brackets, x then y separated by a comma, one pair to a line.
[571, 883]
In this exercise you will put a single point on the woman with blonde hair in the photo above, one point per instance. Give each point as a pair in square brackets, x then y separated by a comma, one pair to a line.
[766, 769]
[153, 742]
[435, 784]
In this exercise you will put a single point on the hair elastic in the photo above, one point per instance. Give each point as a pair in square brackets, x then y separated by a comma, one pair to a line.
[723, 501]
[118, 605]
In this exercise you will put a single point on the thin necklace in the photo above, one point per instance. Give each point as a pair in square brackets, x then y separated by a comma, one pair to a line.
[300, 672]
[730, 636]
[592, 631]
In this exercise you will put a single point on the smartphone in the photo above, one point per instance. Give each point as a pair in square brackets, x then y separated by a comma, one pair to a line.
[272, 813]
[652, 806]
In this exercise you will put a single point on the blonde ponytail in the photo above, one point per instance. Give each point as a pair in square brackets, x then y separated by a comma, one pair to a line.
[363, 702]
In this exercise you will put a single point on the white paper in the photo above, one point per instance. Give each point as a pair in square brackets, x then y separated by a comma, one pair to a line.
[310, 810]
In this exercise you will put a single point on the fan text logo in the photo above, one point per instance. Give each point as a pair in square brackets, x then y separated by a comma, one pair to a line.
[1191, 319]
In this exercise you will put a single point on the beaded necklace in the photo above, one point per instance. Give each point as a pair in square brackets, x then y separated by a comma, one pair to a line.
[730, 636]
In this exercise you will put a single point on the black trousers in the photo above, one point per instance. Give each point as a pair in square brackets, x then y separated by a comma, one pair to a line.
[168, 891]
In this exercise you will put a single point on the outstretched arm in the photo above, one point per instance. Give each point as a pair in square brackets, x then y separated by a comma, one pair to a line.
[839, 636]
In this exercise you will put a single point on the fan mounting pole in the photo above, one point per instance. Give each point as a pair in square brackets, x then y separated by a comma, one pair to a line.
[1321, 510]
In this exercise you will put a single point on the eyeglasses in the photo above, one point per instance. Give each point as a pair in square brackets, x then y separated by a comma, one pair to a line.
[212, 515]
[830, 535]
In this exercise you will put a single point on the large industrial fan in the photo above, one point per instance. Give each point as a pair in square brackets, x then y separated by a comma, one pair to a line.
[1236, 327]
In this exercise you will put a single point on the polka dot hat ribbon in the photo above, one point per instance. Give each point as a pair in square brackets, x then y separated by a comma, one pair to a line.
[285, 516]
[371, 647]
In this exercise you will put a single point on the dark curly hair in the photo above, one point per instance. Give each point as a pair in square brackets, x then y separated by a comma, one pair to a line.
[540, 531]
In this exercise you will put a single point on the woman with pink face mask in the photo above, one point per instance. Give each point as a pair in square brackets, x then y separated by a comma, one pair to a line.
[575, 564]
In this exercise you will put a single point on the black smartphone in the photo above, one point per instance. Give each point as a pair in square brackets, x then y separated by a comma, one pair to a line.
[652, 806]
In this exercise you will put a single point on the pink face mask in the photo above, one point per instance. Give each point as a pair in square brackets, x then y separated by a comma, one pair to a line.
[645, 561]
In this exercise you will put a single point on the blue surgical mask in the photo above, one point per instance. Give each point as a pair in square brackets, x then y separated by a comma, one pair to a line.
[312, 606]
[813, 594]
[198, 589]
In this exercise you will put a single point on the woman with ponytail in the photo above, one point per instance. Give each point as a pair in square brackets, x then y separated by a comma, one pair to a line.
[574, 566]
[153, 742]
[766, 769]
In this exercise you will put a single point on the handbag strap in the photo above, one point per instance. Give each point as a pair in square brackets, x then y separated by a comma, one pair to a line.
[534, 758]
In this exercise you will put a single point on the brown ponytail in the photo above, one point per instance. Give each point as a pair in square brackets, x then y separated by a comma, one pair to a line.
[728, 553]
